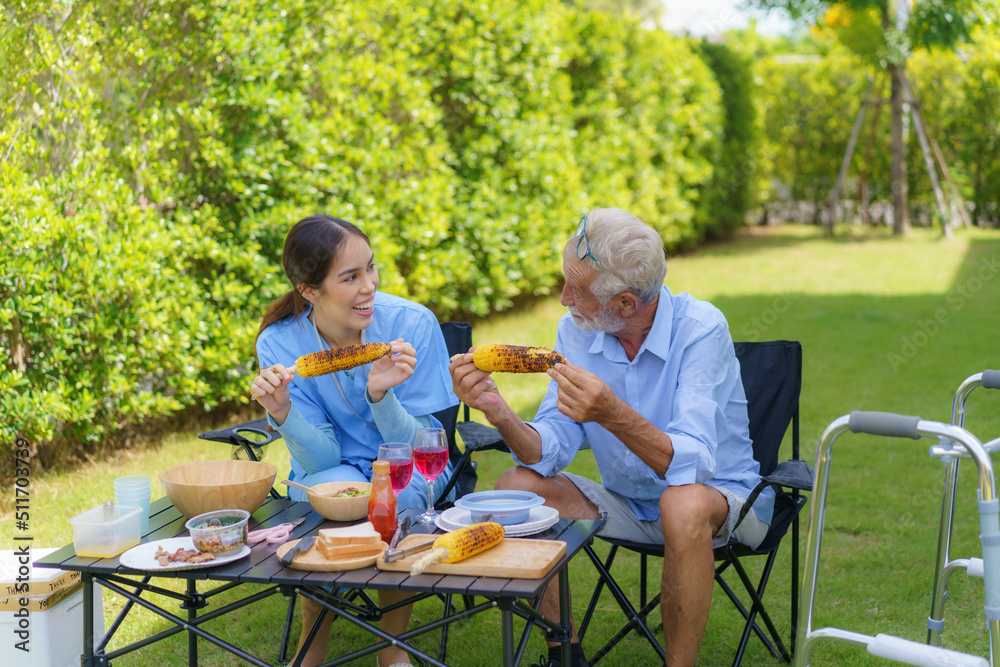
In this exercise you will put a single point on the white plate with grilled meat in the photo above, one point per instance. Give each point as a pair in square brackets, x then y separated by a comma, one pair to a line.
[143, 556]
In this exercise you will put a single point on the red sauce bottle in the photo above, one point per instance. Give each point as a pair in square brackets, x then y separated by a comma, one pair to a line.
[382, 501]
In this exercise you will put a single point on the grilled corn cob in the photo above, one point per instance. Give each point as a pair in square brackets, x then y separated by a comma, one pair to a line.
[515, 358]
[338, 359]
[461, 544]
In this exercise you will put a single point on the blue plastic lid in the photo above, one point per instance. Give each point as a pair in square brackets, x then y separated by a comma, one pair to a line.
[499, 502]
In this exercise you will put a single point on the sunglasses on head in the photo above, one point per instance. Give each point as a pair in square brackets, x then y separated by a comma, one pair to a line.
[581, 231]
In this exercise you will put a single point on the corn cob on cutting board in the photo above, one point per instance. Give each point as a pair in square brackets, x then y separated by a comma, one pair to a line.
[513, 557]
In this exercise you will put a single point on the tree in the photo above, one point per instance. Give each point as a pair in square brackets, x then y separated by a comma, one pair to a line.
[884, 32]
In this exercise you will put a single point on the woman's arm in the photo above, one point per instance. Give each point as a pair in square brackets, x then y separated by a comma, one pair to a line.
[314, 446]
[392, 420]
[270, 389]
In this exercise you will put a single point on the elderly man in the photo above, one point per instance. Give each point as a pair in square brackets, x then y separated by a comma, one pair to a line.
[652, 382]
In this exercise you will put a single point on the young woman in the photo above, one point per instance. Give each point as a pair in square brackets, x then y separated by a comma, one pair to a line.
[333, 424]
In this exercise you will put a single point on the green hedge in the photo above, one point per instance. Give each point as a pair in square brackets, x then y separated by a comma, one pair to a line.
[152, 164]
[809, 106]
[735, 164]
[960, 94]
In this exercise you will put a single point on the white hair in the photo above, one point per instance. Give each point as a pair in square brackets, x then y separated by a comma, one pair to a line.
[629, 254]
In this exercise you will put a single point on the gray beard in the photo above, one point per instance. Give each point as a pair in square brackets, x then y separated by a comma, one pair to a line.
[605, 321]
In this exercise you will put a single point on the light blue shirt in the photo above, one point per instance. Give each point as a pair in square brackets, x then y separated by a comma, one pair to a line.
[322, 430]
[685, 380]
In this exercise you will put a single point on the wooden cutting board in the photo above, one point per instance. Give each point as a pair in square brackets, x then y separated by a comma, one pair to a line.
[513, 557]
[313, 559]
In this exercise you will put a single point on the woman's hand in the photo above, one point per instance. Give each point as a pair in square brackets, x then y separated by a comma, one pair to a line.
[392, 369]
[270, 388]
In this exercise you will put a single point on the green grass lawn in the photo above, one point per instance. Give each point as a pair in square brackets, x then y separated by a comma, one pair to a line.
[885, 324]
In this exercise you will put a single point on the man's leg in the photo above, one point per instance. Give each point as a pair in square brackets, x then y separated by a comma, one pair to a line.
[562, 494]
[690, 515]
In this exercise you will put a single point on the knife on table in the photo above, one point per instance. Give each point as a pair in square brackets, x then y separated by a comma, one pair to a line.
[304, 545]
[392, 555]
[401, 531]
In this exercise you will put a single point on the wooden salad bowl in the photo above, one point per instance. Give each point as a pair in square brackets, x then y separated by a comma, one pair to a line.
[207, 486]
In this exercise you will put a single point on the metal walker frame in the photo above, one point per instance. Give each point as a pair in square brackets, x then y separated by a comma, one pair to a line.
[945, 567]
[954, 441]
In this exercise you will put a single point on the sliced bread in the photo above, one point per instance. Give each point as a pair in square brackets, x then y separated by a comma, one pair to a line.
[363, 533]
[346, 551]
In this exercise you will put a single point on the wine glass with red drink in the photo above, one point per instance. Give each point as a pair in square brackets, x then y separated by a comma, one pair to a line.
[430, 456]
[400, 458]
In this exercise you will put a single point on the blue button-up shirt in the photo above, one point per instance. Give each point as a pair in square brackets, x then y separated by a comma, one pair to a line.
[685, 380]
[325, 428]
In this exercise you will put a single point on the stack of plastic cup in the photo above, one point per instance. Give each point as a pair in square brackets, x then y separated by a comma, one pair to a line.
[135, 491]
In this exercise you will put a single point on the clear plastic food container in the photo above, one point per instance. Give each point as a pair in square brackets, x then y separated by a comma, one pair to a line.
[106, 530]
[221, 532]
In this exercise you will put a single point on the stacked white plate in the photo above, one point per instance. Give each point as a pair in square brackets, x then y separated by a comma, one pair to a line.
[539, 518]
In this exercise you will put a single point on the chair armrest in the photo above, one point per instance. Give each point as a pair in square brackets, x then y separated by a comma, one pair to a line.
[478, 437]
[233, 435]
[793, 474]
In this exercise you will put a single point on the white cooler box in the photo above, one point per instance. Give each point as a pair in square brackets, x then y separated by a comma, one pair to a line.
[54, 617]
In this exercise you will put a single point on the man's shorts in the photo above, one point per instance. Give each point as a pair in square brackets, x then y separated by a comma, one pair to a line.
[622, 523]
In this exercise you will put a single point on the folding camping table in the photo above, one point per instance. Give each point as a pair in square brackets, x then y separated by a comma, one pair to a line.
[342, 593]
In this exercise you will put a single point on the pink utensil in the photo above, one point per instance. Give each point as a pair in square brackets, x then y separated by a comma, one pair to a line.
[275, 534]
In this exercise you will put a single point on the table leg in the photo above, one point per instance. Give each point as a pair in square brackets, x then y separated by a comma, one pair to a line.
[565, 618]
[192, 614]
[507, 630]
[87, 658]
[442, 654]
[289, 617]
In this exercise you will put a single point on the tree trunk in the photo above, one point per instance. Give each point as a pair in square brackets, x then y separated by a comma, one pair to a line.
[18, 350]
[859, 120]
[865, 204]
[900, 189]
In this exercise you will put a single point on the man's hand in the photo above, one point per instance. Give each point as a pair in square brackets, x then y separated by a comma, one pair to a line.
[474, 387]
[584, 397]
[477, 389]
